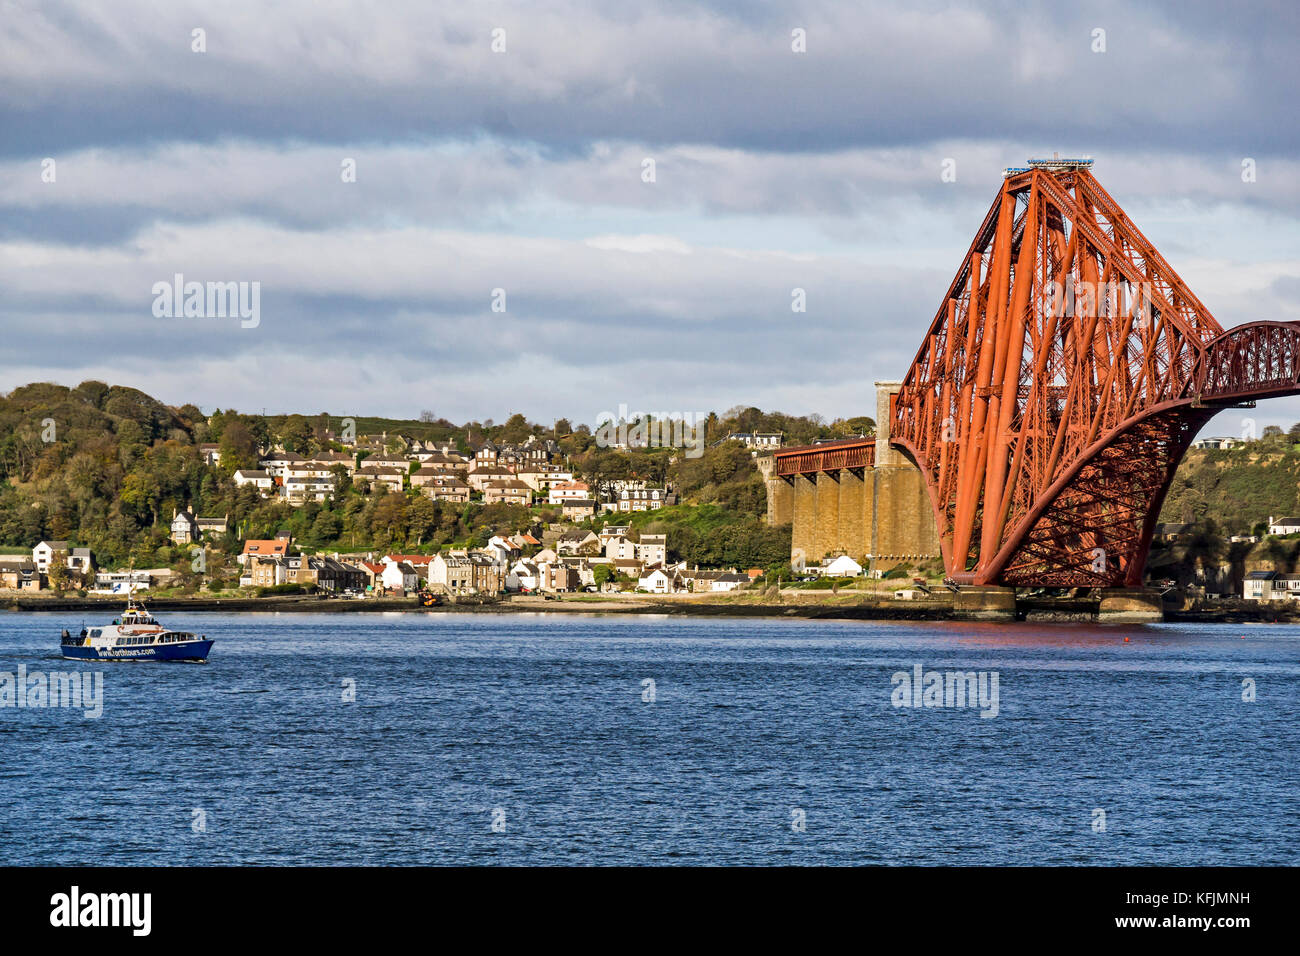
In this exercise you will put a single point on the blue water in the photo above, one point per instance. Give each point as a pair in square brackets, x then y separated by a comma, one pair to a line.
[539, 721]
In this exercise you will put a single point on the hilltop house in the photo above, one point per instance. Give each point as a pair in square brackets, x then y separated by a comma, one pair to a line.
[448, 488]
[480, 477]
[212, 527]
[1282, 526]
[568, 490]
[184, 529]
[258, 478]
[578, 509]
[509, 492]
[644, 499]
[578, 542]
[381, 476]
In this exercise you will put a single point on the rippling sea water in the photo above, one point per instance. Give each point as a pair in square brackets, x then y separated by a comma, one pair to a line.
[538, 722]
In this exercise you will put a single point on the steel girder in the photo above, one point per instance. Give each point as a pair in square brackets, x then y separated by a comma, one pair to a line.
[1060, 384]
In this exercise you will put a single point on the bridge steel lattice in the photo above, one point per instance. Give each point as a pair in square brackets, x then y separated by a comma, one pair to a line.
[1066, 372]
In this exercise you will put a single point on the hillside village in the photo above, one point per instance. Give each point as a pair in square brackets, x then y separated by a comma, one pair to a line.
[567, 534]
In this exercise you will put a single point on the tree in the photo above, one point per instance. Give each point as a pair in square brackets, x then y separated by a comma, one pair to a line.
[296, 434]
[515, 430]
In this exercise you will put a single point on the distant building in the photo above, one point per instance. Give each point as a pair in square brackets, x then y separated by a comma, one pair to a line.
[212, 527]
[337, 576]
[184, 528]
[254, 548]
[381, 477]
[659, 580]
[448, 488]
[560, 577]
[730, 581]
[652, 549]
[79, 559]
[578, 509]
[510, 492]
[757, 440]
[1222, 444]
[1271, 586]
[43, 554]
[257, 477]
[644, 499]
[568, 491]
[400, 576]
[1282, 526]
[19, 573]
[578, 542]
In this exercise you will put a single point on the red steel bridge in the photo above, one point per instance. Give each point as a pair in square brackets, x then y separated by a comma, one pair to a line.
[1058, 387]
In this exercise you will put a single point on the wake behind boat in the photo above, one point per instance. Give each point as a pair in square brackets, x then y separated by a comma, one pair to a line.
[135, 636]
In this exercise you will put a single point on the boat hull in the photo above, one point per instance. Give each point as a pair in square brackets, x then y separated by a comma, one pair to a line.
[186, 651]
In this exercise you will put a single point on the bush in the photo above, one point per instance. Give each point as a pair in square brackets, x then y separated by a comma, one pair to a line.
[281, 589]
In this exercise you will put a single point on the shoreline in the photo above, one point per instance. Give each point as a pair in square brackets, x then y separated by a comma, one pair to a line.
[798, 605]
[810, 609]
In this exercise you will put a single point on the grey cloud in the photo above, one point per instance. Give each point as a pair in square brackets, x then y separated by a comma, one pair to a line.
[874, 74]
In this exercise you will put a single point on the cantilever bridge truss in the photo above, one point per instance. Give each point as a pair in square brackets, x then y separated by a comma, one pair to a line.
[1060, 384]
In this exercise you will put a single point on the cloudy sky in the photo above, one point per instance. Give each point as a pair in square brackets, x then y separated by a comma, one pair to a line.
[524, 169]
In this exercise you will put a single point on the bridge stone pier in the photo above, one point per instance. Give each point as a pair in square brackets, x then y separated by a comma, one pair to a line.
[858, 497]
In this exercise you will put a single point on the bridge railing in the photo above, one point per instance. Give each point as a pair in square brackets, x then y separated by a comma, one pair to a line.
[807, 461]
[1255, 360]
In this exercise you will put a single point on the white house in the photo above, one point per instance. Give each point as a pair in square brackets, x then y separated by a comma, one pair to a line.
[422, 563]
[523, 576]
[619, 547]
[729, 581]
[257, 477]
[399, 575]
[278, 463]
[1223, 444]
[44, 553]
[568, 490]
[652, 549]
[1281, 526]
[503, 548]
[657, 581]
